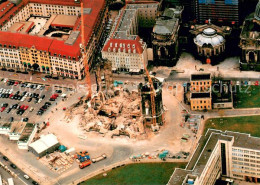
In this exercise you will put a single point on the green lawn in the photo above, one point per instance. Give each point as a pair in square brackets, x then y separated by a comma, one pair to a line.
[247, 97]
[135, 174]
[245, 124]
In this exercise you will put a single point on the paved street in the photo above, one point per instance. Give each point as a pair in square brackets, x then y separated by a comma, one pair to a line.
[20, 174]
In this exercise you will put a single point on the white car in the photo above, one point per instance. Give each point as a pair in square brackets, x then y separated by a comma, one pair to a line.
[23, 98]
[26, 177]
[38, 87]
[4, 90]
[40, 100]
[28, 85]
[31, 109]
[11, 90]
[5, 80]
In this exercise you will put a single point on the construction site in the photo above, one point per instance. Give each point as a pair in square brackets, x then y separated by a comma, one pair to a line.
[118, 108]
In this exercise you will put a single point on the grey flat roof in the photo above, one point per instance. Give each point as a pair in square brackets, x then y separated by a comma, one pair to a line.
[196, 77]
[245, 140]
[200, 95]
[166, 27]
[72, 38]
[127, 15]
[178, 176]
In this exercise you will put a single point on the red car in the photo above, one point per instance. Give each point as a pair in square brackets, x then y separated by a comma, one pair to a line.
[22, 107]
[11, 95]
[54, 96]
[25, 107]
[16, 83]
[2, 109]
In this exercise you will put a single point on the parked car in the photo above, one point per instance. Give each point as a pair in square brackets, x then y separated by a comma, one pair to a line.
[9, 110]
[58, 91]
[34, 183]
[5, 158]
[2, 109]
[25, 119]
[11, 119]
[31, 109]
[13, 166]
[30, 99]
[26, 177]
[11, 70]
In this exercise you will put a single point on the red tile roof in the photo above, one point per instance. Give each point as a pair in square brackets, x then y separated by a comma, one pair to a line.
[5, 7]
[56, 2]
[136, 42]
[25, 40]
[53, 45]
[140, 2]
[7, 15]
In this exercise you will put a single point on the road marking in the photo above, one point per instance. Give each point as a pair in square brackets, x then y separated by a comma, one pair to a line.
[22, 180]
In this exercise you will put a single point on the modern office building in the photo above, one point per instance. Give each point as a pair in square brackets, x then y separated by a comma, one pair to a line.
[223, 12]
[218, 154]
[45, 35]
[124, 48]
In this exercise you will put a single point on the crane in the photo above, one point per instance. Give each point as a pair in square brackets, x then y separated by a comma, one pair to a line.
[152, 95]
[84, 52]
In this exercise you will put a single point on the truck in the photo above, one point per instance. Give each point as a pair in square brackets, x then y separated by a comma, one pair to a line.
[84, 164]
[100, 158]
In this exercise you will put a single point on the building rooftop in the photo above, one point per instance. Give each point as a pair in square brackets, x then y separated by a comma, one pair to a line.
[5, 125]
[64, 21]
[222, 91]
[203, 152]
[44, 143]
[53, 45]
[251, 28]
[178, 176]
[21, 27]
[166, 26]
[27, 131]
[198, 77]
[17, 127]
[201, 95]
[245, 140]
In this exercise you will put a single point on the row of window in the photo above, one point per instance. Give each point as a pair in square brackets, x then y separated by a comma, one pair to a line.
[201, 107]
[245, 151]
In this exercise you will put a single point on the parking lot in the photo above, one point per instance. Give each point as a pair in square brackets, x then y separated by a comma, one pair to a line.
[27, 101]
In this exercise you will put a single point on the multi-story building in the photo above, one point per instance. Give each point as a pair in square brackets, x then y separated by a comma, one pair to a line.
[165, 36]
[200, 82]
[218, 154]
[124, 48]
[45, 35]
[218, 11]
[201, 101]
[200, 88]
[222, 94]
[189, 12]
[210, 40]
[249, 42]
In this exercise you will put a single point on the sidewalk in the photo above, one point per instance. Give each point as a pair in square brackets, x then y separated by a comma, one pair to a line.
[123, 163]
